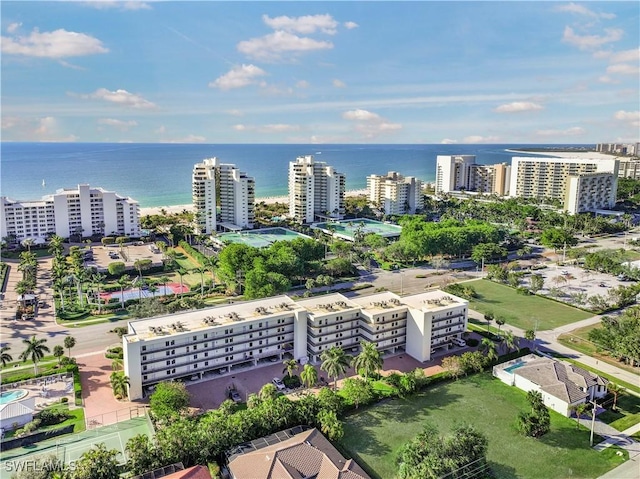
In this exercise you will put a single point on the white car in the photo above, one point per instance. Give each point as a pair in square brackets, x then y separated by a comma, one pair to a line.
[277, 382]
[459, 342]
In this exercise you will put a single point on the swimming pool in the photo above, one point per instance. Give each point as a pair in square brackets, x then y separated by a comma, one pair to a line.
[515, 366]
[9, 396]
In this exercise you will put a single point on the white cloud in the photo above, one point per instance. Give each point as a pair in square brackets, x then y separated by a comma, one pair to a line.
[350, 25]
[34, 129]
[370, 124]
[447, 141]
[573, 131]
[360, 115]
[582, 10]
[188, 139]
[119, 97]
[302, 84]
[234, 112]
[632, 55]
[271, 47]
[161, 130]
[339, 83]
[607, 79]
[238, 77]
[481, 139]
[119, 124]
[633, 117]
[305, 24]
[13, 27]
[278, 128]
[239, 127]
[119, 4]
[56, 44]
[588, 42]
[518, 106]
[623, 69]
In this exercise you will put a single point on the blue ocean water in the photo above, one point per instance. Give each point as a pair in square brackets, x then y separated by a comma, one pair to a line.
[159, 174]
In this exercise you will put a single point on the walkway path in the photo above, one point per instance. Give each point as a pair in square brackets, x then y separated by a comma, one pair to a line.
[629, 469]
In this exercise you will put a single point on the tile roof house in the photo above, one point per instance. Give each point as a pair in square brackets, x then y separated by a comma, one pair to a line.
[307, 454]
[561, 384]
[195, 472]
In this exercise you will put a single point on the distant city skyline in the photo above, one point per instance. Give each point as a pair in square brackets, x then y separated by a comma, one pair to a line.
[321, 72]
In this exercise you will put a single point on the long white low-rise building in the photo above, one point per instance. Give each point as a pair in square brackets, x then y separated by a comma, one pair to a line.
[245, 335]
[84, 210]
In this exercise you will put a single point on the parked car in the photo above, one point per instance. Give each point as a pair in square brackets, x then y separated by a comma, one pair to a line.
[459, 342]
[278, 384]
[235, 396]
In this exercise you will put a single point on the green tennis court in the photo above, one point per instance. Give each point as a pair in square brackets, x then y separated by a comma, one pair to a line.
[346, 229]
[261, 238]
[70, 448]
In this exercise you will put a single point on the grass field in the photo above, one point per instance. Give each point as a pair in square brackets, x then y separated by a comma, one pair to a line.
[522, 311]
[373, 436]
[578, 339]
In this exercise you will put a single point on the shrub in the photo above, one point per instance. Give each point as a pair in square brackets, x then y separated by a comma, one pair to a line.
[472, 342]
[48, 417]
[291, 382]
[64, 400]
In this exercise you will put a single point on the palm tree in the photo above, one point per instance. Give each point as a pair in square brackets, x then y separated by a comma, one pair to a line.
[69, 342]
[510, 341]
[290, 365]
[267, 392]
[614, 389]
[489, 347]
[181, 272]
[579, 409]
[58, 285]
[335, 362]
[58, 352]
[98, 280]
[124, 281]
[56, 245]
[369, 360]
[35, 351]
[200, 270]
[500, 322]
[119, 383]
[164, 279]
[309, 375]
[5, 357]
[530, 335]
[116, 364]
[488, 317]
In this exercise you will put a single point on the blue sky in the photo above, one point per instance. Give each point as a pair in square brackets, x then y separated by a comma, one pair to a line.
[321, 72]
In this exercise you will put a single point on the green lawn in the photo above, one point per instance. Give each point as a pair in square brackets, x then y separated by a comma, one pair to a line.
[522, 311]
[76, 417]
[627, 412]
[374, 435]
[184, 260]
[578, 339]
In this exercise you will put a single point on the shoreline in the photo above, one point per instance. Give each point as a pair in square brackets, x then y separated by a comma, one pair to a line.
[269, 200]
[569, 154]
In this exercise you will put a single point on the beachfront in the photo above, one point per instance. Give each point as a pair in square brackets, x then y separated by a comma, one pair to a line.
[172, 209]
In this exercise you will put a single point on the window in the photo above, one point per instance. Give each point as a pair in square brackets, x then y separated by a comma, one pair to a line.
[206, 335]
[144, 378]
[144, 348]
[168, 352]
[206, 363]
[195, 356]
[144, 358]
[144, 368]
[195, 338]
[195, 347]
[195, 366]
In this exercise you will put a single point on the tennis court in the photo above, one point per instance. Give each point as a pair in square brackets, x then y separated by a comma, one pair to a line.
[137, 293]
[261, 238]
[346, 229]
[70, 448]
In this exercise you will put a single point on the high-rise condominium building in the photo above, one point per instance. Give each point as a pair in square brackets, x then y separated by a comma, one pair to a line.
[83, 210]
[223, 197]
[395, 194]
[316, 190]
[462, 173]
[245, 335]
[629, 168]
[582, 184]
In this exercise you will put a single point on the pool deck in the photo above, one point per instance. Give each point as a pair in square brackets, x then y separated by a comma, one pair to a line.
[47, 391]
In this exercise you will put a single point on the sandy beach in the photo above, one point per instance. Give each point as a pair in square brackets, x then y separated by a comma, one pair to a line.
[569, 154]
[172, 209]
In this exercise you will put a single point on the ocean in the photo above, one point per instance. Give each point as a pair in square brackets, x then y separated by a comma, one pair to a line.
[159, 174]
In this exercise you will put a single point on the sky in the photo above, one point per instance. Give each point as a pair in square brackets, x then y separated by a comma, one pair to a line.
[320, 72]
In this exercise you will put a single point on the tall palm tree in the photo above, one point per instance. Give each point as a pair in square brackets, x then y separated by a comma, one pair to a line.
[58, 352]
[579, 409]
[98, 280]
[309, 375]
[119, 383]
[369, 360]
[290, 365]
[69, 342]
[614, 389]
[164, 279]
[35, 351]
[124, 281]
[59, 285]
[489, 347]
[5, 357]
[56, 245]
[181, 272]
[200, 270]
[530, 335]
[335, 362]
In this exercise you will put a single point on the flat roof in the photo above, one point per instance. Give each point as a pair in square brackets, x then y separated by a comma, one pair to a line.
[432, 300]
[380, 301]
[318, 303]
[217, 315]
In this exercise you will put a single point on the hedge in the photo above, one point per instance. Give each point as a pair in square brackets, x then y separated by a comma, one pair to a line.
[191, 251]
[26, 441]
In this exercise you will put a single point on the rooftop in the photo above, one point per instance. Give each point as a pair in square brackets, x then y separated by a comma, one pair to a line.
[380, 301]
[148, 328]
[432, 300]
[327, 303]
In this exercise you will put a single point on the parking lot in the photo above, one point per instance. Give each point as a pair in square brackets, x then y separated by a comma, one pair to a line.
[128, 254]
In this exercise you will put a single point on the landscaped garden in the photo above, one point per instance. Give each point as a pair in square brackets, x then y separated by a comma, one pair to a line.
[373, 436]
[523, 311]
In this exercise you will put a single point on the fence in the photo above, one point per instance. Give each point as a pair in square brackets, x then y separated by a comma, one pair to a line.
[42, 380]
[114, 417]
